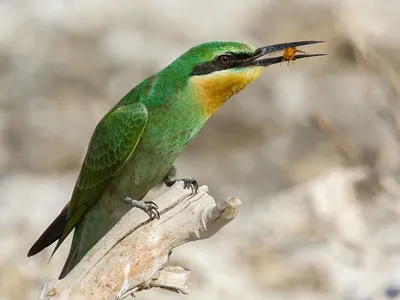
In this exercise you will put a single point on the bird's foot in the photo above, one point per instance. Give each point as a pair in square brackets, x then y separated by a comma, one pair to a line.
[188, 182]
[149, 207]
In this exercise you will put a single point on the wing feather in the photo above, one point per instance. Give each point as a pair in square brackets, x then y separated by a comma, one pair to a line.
[113, 142]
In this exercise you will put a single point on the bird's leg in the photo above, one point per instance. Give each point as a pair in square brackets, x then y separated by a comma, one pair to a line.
[149, 207]
[188, 182]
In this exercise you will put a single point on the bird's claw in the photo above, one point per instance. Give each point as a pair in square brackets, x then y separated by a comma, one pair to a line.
[188, 182]
[149, 207]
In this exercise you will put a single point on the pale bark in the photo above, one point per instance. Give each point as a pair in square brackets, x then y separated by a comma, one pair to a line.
[133, 256]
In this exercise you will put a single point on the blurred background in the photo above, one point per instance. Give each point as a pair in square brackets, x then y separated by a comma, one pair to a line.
[312, 150]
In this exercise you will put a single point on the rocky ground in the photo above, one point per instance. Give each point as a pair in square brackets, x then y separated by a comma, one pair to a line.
[320, 218]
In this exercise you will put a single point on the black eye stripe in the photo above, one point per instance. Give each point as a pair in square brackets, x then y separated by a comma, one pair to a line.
[215, 65]
[241, 56]
[207, 68]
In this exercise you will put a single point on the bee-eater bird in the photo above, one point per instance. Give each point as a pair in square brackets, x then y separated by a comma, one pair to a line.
[135, 144]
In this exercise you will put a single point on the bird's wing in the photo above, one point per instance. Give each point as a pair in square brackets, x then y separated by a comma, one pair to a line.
[113, 142]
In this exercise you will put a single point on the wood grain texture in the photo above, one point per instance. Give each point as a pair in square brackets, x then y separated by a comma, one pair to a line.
[133, 256]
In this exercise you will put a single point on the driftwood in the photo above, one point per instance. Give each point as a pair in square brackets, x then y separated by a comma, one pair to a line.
[133, 256]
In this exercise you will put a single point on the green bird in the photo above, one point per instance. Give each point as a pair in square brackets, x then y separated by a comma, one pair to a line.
[135, 144]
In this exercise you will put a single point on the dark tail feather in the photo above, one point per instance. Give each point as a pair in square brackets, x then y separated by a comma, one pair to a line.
[51, 234]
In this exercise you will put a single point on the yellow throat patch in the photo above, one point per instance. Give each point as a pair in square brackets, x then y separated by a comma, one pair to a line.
[215, 88]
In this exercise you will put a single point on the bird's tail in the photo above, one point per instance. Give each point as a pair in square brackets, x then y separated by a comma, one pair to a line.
[72, 259]
[51, 234]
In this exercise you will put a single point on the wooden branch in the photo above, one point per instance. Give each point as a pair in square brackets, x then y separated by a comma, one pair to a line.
[133, 256]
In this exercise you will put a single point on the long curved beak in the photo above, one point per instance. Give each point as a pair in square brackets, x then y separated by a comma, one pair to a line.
[260, 52]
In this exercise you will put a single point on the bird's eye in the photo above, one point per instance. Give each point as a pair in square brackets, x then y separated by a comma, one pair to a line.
[224, 59]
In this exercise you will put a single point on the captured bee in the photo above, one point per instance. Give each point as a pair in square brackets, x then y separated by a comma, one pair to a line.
[289, 53]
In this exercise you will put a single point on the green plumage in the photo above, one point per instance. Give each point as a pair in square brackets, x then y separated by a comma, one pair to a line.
[112, 143]
[132, 149]
[135, 144]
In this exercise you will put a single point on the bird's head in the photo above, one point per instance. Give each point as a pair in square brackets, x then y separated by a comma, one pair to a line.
[218, 70]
